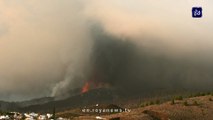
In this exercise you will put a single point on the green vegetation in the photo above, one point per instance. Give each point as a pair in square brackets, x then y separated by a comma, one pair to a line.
[157, 102]
[142, 105]
[202, 94]
[149, 103]
[179, 98]
[196, 95]
[185, 103]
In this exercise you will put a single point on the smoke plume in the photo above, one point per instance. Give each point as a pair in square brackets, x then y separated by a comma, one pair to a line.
[51, 47]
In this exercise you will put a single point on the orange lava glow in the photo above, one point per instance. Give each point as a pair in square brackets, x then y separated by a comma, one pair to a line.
[85, 88]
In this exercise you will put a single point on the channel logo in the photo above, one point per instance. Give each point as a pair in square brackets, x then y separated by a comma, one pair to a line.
[197, 12]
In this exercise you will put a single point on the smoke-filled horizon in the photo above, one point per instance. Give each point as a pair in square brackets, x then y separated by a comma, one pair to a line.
[51, 47]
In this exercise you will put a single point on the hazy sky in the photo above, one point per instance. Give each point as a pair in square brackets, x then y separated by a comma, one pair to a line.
[44, 42]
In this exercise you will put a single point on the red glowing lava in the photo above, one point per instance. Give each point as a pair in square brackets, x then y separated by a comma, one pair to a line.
[85, 88]
[93, 83]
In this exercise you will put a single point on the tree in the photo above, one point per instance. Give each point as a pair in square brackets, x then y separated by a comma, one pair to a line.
[172, 102]
[54, 118]
[185, 103]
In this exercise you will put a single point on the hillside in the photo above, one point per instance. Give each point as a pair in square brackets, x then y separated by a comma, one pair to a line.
[195, 108]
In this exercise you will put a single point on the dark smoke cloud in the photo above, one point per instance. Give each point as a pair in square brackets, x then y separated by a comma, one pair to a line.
[125, 65]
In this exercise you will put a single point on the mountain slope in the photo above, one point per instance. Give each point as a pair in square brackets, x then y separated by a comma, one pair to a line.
[186, 109]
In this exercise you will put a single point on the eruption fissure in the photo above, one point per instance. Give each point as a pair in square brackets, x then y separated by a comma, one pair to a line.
[85, 88]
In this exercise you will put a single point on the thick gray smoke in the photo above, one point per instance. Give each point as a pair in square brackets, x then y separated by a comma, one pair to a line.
[126, 65]
[44, 45]
[49, 48]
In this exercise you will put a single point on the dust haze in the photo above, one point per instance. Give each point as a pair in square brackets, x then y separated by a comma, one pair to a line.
[51, 47]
